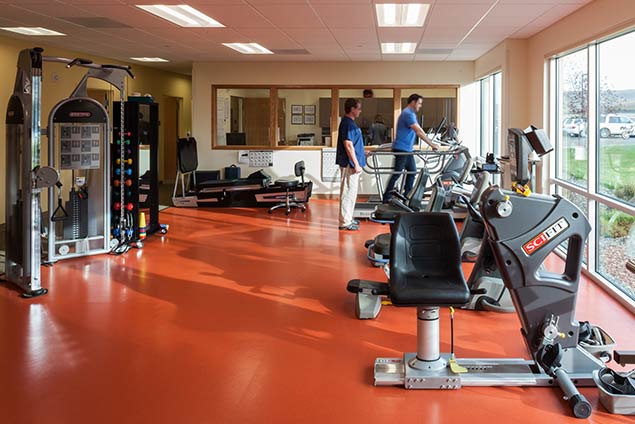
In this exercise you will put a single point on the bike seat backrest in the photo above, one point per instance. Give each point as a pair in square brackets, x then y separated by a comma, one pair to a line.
[437, 197]
[425, 261]
[418, 190]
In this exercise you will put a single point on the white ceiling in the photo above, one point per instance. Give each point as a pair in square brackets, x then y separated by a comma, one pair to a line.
[329, 30]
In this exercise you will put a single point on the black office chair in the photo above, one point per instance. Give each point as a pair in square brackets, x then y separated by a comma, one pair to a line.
[289, 200]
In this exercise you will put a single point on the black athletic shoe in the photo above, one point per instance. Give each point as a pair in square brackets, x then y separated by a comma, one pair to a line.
[349, 227]
[355, 222]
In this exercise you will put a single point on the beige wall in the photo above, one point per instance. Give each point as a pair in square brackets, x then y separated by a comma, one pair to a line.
[58, 83]
[510, 57]
[370, 74]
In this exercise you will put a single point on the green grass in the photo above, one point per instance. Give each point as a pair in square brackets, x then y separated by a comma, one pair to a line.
[616, 179]
[617, 167]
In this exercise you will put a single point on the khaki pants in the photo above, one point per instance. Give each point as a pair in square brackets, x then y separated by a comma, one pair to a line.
[348, 194]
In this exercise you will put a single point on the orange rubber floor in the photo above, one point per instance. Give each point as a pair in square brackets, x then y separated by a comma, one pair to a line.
[237, 316]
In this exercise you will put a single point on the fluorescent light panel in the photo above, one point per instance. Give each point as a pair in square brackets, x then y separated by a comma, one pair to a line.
[182, 15]
[398, 48]
[401, 15]
[149, 59]
[32, 31]
[248, 48]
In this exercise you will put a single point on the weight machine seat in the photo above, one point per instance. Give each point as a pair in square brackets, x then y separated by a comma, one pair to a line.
[232, 183]
[387, 212]
[425, 264]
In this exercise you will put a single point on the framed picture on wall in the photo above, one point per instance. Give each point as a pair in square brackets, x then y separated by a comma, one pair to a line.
[309, 119]
[297, 119]
[309, 109]
[296, 109]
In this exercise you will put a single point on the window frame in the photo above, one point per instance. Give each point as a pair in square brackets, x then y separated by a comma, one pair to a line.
[487, 100]
[335, 112]
[592, 192]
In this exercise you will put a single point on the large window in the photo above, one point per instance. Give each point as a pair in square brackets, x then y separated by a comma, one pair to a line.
[307, 117]
[594, 101]
[490, 113]
[616, 111]
[573, 108]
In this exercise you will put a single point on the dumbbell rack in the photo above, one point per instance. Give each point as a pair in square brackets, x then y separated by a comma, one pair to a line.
[125, 178]
[129, 195]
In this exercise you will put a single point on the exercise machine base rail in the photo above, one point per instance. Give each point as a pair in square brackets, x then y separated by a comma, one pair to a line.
[482, 372]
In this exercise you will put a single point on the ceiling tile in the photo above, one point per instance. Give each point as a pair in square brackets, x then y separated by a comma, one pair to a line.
[552, 16]
[412, 35]
[552, 2]
[312, 37]
[346, 16]
[352, 37]
[291, 16]
[431, 57]
[236, 16]
[516, 14]
[271, 39]
[398, 57]
[490, 34]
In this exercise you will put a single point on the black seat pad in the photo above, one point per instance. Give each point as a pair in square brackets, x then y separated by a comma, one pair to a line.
[431, 290]
[382, 244]
[287, 183]
[387, 212]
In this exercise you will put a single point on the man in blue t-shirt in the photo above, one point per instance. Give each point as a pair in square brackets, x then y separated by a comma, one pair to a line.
[351, 158]
[407, 132]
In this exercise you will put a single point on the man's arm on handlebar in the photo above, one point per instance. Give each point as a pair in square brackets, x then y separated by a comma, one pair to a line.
[422, 135]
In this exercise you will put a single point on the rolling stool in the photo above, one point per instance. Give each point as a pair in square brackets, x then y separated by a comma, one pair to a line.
[290, 200]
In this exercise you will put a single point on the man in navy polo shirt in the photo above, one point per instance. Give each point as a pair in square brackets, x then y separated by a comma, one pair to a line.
[351, 158]
[407, 131]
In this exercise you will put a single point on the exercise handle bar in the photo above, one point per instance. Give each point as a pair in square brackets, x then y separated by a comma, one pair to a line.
[86, 63]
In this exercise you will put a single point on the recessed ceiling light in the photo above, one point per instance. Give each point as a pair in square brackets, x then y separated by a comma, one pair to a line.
[149, 59]
[248, 48]
[32, 31]
[398, 48]
[182, 15]
[401, 15]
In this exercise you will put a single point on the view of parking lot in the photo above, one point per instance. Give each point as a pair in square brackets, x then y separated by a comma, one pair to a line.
[614, 143]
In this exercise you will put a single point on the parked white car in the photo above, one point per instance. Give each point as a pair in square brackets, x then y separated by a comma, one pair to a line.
[613, 124]
[574, 127]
